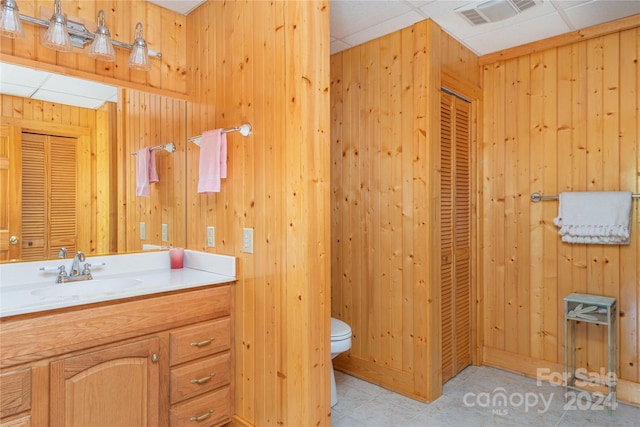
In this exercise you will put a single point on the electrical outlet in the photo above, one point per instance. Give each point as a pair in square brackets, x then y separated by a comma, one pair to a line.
[165, 232]
[247, 240]
[143, 231]
[211, 237]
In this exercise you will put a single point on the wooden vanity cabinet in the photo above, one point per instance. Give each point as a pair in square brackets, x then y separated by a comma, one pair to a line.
[157, 361]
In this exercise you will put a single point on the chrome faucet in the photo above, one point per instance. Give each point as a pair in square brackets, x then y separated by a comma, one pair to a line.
[75, 266]
[75, 274]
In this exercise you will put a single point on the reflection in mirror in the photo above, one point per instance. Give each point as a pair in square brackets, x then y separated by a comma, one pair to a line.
[67, 176]
[58, 155]
[56, 88]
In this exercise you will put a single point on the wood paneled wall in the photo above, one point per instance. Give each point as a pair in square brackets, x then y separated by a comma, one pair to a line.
[164, 32]
[385, 154]
[267, 63]
[150, 120]
[560, 117]
[457, 60]
[96, 184]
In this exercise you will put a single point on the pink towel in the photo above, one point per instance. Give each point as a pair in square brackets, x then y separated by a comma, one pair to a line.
[153, 173]
[145, 171]
[213, 161]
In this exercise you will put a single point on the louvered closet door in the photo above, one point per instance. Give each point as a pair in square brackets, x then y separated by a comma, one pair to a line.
[49, 185]
[455, 235]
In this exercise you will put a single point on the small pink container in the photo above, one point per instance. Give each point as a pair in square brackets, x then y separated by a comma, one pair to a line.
[176, 255]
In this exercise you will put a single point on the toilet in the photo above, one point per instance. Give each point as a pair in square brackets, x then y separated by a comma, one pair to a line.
[340, 342]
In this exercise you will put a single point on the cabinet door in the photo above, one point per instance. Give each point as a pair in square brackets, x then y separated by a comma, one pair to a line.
[115, 386]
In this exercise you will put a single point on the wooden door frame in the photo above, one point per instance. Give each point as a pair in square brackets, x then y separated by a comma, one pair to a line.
[472, 93]
[14, 188]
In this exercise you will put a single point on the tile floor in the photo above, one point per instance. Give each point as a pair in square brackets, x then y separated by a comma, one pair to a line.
[466, 401]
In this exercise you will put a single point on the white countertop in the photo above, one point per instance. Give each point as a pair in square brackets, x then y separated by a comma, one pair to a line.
[20, 283]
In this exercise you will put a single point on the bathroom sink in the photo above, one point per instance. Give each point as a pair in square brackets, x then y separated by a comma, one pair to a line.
[88, 288]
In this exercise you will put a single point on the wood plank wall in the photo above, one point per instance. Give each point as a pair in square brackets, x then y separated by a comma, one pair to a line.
[151, 120]
[267, 63]
[164, 32]
[96, 188]
[559, 117]
[385, 121]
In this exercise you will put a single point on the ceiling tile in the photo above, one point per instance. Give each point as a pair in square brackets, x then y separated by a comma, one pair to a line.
[84, 88]
[22, 76]
[349, 17]
[595, 12]
[511, 36]
[26, 82]
[180, 6]
[565, 4]
[68, 99]
[338, 46]
[416, 3]
[15, 90]
[386, 27]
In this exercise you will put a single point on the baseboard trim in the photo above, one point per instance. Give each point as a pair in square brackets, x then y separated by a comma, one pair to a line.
[237, 421]
[628, 391]
[392, 379]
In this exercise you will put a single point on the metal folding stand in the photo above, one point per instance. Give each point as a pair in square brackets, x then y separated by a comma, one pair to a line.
[591, 309]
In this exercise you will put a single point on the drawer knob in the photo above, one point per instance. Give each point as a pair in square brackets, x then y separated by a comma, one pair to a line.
[203, 379]
[202, 343]
[202, 417]
[155, 357]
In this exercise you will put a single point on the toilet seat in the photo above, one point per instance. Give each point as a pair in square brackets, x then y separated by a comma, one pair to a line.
[339, 330]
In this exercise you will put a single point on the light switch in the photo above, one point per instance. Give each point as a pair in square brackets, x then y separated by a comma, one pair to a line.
[143, 231]
[165, 232]
[211, 237]
[247, 240]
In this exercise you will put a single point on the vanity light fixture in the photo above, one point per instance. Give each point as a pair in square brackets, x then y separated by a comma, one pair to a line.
[10, 25]
[139, 58]
[63, 34]
[101, 48]
[57, 35]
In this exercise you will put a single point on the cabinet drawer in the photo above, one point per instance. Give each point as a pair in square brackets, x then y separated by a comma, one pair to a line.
[208, 410]
[15, 392]
[198, 341]
[199, 377]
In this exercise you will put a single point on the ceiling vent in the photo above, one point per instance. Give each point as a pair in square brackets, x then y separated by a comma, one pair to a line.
[495, 10]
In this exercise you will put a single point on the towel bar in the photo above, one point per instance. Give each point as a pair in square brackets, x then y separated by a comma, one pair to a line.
[170, 147]
[245, 130]
[537, 197]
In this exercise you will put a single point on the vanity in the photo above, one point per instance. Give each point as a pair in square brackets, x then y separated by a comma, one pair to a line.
[156, 352]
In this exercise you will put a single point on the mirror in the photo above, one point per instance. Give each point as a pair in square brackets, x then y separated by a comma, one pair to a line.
[46, 140]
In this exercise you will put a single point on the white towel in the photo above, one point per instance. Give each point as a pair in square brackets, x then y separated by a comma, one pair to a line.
[594, 217]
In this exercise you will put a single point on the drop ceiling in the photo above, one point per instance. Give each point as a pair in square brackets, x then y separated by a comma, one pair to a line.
[355, 22]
